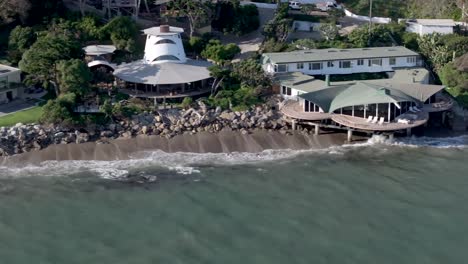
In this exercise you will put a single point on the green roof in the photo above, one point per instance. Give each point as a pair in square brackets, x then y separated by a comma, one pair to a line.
[359, 93]
[300, 81]
[336, 54]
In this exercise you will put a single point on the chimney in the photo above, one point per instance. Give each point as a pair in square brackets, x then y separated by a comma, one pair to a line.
[327, 79]
[164, 28]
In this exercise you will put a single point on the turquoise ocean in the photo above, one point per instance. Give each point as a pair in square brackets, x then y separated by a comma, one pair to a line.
[373, 202]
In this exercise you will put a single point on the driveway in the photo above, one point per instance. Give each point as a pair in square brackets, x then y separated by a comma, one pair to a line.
[14, 106]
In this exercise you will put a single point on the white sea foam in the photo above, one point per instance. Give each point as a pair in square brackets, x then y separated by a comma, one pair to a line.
[192, 163]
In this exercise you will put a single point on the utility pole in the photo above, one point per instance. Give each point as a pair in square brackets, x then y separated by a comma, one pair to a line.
[370, 22]
[370, 17]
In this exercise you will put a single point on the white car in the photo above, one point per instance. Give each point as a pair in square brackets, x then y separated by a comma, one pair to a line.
[295, 5]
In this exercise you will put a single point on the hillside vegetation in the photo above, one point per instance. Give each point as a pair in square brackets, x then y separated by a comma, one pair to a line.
[408, 8]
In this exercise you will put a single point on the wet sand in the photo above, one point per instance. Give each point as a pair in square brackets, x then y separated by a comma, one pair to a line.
[223, 142]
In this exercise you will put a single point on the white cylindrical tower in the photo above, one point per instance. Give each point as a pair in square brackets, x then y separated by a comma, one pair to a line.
[164, 44]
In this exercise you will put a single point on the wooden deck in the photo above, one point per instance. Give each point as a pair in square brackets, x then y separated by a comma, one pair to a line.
[417, 119]
[139, 93]
[294, 110]
[443, 103]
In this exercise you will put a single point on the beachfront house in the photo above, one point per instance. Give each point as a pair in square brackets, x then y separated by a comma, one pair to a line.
[370, 105]
[164, 72]
[340, 61]
[10, 84]
[430, 26]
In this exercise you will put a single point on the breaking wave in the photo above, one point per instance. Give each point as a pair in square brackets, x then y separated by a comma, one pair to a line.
[193, 163]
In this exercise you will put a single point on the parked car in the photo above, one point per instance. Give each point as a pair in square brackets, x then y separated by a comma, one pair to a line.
[295, 5]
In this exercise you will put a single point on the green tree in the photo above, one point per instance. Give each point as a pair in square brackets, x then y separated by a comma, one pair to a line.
[122, 31]
[20, 40]
[59, 111]
[40, 61]
[10, 10]
[279, 27]
[187, 102]
[220, 53]
[250, 73]
[89, 28]
[73, 76]
[246, 17]
[329, 31]
[456, 82]
[219, 74]
[107, 108]
[197, 44]
[197, 12]
[455, 43]
[304, 44]
[431, 46]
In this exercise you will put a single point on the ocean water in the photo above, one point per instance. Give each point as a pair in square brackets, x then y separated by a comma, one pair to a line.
[375, 202]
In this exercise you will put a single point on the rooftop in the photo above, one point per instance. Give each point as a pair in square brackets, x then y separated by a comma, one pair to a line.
[163, 30]
[5, 69]
[410, 75]
[337, 54]
[99, 49]
[163, 73]
[433, 22]
[359, 93]
[300, 81]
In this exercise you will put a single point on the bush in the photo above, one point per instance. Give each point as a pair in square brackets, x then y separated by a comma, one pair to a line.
[237, 97]
[187, 102]
[197, 44]
[218, 52]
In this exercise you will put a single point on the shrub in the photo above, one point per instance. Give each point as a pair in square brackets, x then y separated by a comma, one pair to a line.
[187, 102]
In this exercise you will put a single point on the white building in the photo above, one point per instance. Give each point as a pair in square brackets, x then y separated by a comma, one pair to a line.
[165, 71]
[429, 26]
[10, 84]
[340, 61]
[164, 44]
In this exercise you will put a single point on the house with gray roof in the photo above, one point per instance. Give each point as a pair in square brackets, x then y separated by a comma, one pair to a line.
[10, 84]
[341, 61]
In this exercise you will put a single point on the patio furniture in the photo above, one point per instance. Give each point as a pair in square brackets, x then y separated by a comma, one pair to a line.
[376, 118]
[369, 119]
[381, 121]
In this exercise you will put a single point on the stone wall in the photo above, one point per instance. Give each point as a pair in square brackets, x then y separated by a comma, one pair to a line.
[168, 123]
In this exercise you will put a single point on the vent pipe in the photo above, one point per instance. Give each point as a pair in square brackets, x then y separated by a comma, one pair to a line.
[164, 28]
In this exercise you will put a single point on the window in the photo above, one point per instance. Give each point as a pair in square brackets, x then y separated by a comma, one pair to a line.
[375, 62]
[392, 61]
[411, 59]
[283, 90]
[166, 57]
[288, 91]
[300, 66]
[345, 64]
[360, 62]
[315, 66]
[306, 106]
[281, 68]
[164, 41]
[330, 64]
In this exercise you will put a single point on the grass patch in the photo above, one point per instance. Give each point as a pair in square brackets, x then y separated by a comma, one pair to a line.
[26, 117]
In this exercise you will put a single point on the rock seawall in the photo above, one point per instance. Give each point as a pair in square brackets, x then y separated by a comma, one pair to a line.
[168, 123]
